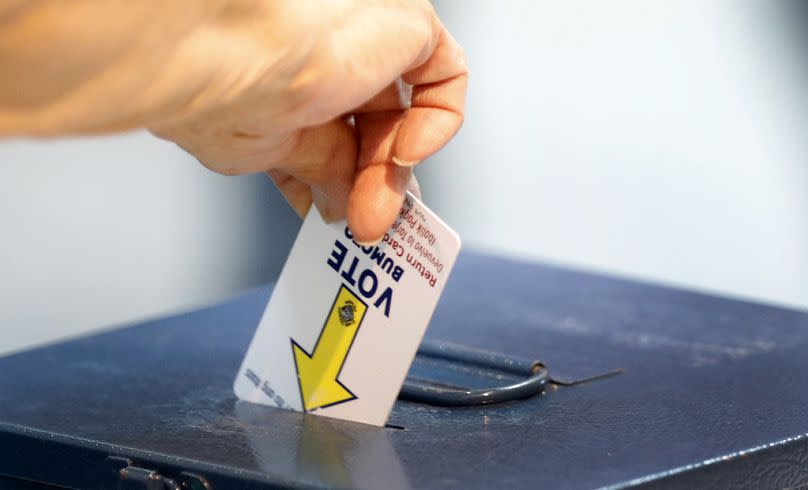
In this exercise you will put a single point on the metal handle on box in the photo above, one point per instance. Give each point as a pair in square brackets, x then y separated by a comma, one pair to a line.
[435, 393]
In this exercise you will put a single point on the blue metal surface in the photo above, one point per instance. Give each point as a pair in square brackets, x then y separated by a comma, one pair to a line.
[712, 389]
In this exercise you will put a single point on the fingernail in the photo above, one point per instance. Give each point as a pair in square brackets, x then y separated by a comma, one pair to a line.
[403, 163]
[369, 243]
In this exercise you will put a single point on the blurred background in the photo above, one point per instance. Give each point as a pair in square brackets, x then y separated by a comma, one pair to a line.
[657, 140]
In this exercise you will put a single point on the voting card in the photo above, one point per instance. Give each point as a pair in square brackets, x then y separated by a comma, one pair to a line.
[344, 321]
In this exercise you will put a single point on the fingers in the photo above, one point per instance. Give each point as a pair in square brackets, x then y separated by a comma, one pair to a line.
[296, 193]
[395, 96]
[437, 106]
[358, 171]
[231, 151]
[315, 164]
[376, 200]
[380, 184]
[320, 169]
[392, 140]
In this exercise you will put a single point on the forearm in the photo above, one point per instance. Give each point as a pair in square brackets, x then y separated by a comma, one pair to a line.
[87, 66]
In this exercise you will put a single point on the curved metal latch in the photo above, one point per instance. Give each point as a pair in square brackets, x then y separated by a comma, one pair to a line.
[533, 377]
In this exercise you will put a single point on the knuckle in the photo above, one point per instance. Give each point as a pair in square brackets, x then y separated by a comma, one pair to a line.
[311, 88]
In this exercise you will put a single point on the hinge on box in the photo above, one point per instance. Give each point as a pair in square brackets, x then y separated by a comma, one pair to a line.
[133, 477]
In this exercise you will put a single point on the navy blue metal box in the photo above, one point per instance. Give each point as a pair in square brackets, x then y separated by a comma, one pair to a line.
[714, 394]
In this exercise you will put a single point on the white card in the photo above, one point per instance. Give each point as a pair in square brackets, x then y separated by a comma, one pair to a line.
[344, 321]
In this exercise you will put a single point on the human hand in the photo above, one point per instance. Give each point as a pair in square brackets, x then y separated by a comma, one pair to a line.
[336, 100]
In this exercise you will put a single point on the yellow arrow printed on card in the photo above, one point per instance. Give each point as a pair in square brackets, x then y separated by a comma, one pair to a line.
[317, 372]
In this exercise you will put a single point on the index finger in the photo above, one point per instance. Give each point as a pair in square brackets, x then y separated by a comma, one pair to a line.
[437, 104]
[399, 139]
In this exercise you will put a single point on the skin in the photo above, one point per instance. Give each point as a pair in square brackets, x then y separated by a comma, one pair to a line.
[335, 99]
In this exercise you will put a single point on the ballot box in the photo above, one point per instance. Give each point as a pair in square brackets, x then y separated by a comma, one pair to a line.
[713, 393]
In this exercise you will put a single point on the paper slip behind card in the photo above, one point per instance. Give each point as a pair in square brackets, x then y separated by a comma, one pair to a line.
[344, 321]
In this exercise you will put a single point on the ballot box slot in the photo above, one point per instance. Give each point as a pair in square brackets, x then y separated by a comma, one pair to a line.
[448, 374]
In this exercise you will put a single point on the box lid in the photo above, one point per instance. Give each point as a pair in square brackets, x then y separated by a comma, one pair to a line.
[712, 393]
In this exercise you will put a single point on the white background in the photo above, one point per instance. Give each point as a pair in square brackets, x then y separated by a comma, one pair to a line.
[654, 139]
